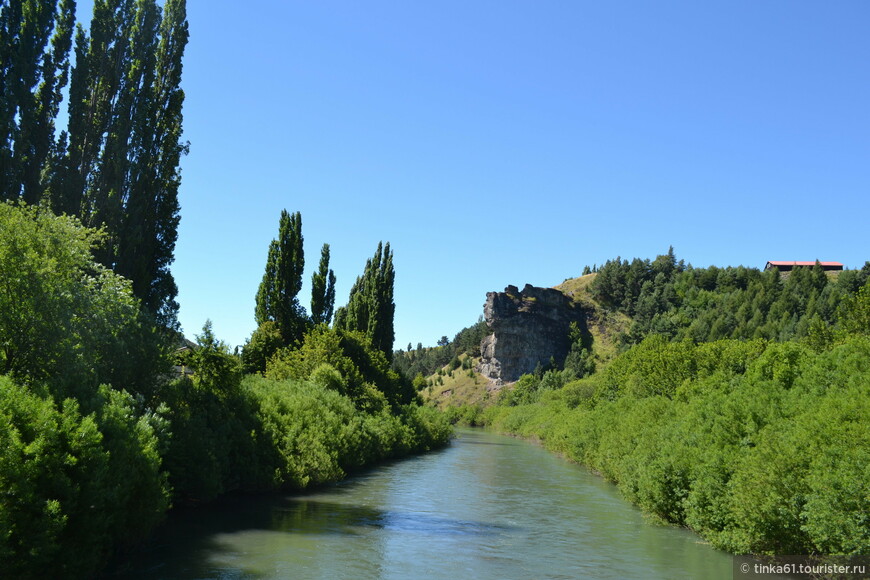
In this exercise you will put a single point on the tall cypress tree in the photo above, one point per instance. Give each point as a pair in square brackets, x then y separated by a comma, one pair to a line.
[277, 297]
[322, 290]
[370, 308]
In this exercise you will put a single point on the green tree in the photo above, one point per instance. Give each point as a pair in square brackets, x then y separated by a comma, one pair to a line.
[855, 312]
[277, 295]
[116, 164]
[35, 40]
[264, 342]
[214, 366]
[64, 318]
[75, 485]
[322, 290]
[149, 226]
[370, 308]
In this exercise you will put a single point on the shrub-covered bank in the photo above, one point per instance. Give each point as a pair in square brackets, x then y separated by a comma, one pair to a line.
[78, 485]
[99, 436]
[759, 447]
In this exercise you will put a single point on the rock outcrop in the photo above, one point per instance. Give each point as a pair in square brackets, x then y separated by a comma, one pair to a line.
[528, 328]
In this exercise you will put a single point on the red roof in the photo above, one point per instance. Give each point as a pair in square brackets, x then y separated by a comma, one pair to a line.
[793, 263]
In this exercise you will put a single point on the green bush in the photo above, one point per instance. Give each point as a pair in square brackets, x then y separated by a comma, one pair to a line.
[313, 434]
[75, 486]
[66, 321]
[760, 447]
[366, 374]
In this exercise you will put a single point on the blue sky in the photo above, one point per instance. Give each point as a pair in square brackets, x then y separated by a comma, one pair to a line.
[508, 142]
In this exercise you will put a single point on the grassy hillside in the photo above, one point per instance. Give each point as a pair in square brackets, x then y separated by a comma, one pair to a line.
[605, 326]
[458, 387]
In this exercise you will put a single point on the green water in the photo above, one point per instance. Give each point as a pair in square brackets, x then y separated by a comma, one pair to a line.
[486, 507]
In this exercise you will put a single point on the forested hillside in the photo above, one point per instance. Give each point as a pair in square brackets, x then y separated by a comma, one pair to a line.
[735, 403]
[667, 297]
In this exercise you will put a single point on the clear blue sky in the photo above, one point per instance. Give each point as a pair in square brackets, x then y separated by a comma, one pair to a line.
[508, 142]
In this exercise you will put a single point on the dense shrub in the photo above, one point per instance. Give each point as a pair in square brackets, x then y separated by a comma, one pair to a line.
[74, 486]
[313, 434]
[760, 447]
[366, 376]
[66, 321]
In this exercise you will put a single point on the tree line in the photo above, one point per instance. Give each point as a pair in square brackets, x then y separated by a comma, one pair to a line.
[284, 325]
[424, 361]
[102, 435]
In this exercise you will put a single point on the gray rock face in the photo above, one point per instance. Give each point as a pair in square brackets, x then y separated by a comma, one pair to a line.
[528, 328]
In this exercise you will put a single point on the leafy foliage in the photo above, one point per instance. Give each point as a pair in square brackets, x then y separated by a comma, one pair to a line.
[73, 484]
[366, 376]
[322, 290]
[302, 424]
[263, 344]
[35, 40]
[116, 164]
[212, 443]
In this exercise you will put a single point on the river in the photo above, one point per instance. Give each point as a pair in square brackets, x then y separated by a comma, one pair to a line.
[488, 506]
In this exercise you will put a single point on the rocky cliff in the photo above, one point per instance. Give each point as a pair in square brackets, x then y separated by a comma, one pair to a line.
[528, 327]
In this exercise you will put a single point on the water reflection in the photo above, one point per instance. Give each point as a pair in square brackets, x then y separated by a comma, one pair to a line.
[422, 524]
[487, 507]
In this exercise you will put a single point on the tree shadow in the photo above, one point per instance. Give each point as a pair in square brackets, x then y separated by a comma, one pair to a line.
[186, 544]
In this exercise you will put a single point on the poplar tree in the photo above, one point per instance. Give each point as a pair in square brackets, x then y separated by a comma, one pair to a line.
[322, 290]
[370, 308]
[277, 297]
[35, 39]
[118, 165]
[149, 226]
